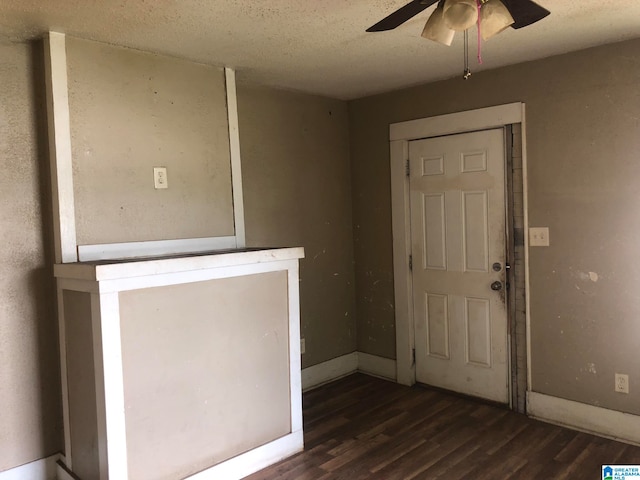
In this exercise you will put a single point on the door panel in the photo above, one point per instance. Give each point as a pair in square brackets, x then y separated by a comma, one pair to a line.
[474, 238]
[478, 322]
[458, 232]
[437, 325]
[435, 253]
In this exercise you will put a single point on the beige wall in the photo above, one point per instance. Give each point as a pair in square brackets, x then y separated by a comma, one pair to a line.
[132, 111]
[30, 415]
[296, 180]
[583, 153]
[206, 372]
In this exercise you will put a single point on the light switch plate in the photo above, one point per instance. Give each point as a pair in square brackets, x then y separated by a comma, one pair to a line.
[160, 179]
[539, 236]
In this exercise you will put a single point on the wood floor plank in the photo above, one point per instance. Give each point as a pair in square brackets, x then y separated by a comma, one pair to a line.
[629, 456]
[497, 467]
[462, 470]
[451, 460]
[365, 428]
[355, 451]
[573, 448]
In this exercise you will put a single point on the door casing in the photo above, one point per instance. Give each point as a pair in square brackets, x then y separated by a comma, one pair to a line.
[400, 134]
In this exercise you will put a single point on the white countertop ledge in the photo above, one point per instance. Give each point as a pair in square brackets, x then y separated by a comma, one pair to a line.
[101, 270]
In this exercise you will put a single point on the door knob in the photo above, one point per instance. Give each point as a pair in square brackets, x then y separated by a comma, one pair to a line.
[496, 286]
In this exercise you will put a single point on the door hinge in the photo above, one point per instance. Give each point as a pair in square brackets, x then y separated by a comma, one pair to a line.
[408, 168]
[411, 263]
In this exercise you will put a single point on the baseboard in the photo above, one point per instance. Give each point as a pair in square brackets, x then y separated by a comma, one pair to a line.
[43, 469]
[339, 367]
[254, 460]
[235, 468]
[328, 371]
[377, 366]
[587, 418]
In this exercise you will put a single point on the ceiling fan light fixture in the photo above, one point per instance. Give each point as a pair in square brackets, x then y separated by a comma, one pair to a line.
[494, 18]
[436, 30]
[459, 15]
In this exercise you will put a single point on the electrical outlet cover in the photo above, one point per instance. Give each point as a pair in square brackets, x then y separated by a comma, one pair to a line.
[160, 180]
[622, 383]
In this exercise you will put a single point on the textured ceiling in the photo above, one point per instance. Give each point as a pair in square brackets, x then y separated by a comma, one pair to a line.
[316, 46]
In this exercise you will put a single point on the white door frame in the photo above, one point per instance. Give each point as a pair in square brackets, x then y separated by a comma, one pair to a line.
[400, 134]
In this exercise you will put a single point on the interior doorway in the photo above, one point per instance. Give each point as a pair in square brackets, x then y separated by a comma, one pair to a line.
[509, 120]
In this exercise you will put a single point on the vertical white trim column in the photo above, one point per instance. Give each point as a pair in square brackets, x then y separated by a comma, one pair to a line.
[234, 148]
[107, 351]
[64, 220]
[64, 379]
[401, 221]
[295, 367]
[525, 206]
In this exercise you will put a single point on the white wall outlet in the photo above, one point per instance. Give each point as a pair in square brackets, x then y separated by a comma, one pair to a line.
[303, 346]
[622, 383]
[160, 179]
[539, 236]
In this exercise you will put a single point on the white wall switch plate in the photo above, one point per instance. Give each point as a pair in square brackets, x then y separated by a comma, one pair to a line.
[539, 236]
[303, 346]
[160, 179]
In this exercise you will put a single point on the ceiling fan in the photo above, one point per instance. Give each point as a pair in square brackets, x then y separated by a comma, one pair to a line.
[523, 12]
[491, 16]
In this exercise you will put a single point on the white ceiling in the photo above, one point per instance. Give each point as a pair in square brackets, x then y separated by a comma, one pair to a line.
[315, 46]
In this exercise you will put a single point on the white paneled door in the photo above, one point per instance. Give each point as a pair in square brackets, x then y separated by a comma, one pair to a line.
[458, 254]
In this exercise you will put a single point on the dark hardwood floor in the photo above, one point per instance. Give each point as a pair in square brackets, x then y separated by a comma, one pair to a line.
[361, 427]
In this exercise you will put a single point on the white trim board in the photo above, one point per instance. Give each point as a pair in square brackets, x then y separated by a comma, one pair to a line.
[400, 134]
[59, 126]
[339, 367]
[460, 122]
[43, 469]
[600, 421]
[234, 151]
[525, 207]
[108, 251]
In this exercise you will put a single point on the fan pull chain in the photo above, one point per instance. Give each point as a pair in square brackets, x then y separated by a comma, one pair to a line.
[467, 72]
[479, 3]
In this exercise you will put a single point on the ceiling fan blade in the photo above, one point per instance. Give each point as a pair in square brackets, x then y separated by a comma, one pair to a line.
[401, 15]
[525, 12]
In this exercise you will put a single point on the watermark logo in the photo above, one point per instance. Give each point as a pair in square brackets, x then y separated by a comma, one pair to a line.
[620, 472]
